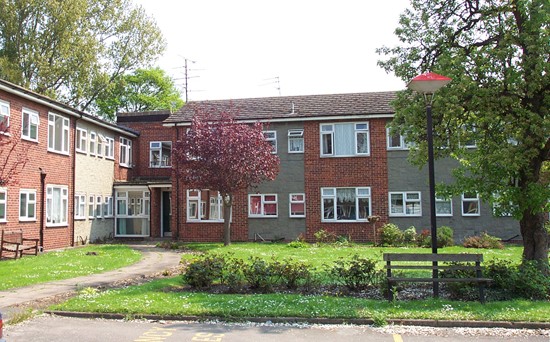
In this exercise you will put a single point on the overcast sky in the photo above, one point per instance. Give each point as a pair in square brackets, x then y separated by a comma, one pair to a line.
[251, 48]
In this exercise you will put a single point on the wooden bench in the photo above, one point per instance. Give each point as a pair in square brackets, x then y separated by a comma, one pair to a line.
[419, 262]
[14, 242]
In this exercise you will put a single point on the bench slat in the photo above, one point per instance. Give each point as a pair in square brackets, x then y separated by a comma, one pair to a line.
[439, 280]
[415, 257]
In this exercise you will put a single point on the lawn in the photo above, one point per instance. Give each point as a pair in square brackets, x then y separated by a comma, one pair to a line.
[164, 297]
[64, 264]
[167, 296]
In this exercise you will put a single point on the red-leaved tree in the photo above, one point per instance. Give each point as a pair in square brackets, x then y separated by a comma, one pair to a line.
[221, 154]
[13, 157]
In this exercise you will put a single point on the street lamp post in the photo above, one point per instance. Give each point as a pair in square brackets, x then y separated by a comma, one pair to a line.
[427, 84]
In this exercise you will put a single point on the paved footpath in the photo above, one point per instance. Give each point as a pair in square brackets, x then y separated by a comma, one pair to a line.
[154, 260]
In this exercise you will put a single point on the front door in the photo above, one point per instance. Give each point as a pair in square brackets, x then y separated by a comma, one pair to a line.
[166, 214]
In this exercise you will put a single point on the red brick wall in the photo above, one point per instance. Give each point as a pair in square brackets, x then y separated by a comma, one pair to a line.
[345, 172]
[58, 167]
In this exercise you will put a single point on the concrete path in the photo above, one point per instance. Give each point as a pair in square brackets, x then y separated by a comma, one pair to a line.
[154, 260]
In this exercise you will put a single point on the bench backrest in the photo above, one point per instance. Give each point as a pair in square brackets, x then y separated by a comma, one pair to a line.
[12, 236]
[412, 257]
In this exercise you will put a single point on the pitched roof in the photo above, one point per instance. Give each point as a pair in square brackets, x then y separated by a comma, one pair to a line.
[59, 106]
[293, 107]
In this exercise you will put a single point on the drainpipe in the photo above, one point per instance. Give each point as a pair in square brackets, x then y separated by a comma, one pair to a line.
[73, 185]
[177, 206]
[42, 206]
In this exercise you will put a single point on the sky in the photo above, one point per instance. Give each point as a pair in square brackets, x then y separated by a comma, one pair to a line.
[257, 48]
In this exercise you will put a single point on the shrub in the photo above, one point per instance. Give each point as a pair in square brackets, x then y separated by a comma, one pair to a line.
[324, 236]
[531, 283]
[445, 237]
[409, 235]
[517, 281]
[356, 273]
[298, 244]
[424, 239]
[233, 276]
[391, 235]
[259, 274]
[484, 240]
[291, 273]
[205, 271]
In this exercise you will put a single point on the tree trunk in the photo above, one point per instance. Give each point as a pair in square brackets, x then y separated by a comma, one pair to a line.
[227, 204]
[535, 240]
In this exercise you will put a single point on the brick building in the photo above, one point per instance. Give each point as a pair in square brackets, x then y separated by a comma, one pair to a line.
[93, 180]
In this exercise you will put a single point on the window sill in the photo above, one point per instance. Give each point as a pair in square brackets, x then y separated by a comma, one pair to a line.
[350, 156]
[297, 216]
[264, 216]
[27, 219]
[404, 215]
[59, 152]
[345, 221]
[57, 225]
[29, 139]
[204, 221]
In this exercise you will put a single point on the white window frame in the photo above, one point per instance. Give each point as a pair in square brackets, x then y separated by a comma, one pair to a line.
[53, 133]
[79, 206]
[98, 209]
[406, 202]
[469, 144]
[443, 201]
[260, 211]
[32, 116]
[327, 133]
[271, 137]
[107, 206]
[5, 113]
[93, 143]
[331, 194]
[163, 160]
[101, 141]
[471, 200]
[125, 158]
[91, 206]
[110, 148]
[196, 206]
[403, 145]
[81, 140]
[296, 135]
[4, 203]
[294, 199]
[52, 206]
[27, 193]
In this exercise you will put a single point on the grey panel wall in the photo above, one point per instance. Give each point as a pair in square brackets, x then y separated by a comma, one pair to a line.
[402, 176]
[290, 180]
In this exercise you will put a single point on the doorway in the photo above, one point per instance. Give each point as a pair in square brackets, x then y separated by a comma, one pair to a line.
[166, 213]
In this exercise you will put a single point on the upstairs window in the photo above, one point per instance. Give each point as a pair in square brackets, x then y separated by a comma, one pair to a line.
[58, 133]
[295, 141]
[271, 138]
[29, 125]
[101, 141]
[160, 153]
[81, 140]
[396, 141]
[110, 148]
[345, 140]
[4, 114]
[93, 142]
[125, 152]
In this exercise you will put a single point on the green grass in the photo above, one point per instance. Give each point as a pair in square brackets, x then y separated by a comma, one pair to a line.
[64, 264]
[164, 297]
[318, 256]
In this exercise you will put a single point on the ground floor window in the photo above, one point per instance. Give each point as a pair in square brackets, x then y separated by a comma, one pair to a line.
[132, 212]
[470, 204]
[405, 204]
[27, 205]
[346, 204]
[3, 204]
[443, 207]
[57, 202]
[262, 205]
[79, 206]
[204, 205]
[297, 205]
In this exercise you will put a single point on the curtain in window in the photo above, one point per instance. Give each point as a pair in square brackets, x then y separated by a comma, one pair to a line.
[344, 139]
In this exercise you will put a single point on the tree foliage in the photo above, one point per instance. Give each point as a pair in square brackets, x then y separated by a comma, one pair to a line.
[221, 154]
[497, 53]
[72, 49]
[143, 90]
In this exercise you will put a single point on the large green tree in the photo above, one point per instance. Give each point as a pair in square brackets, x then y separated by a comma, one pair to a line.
[144, 89]
[72, 49]
[497, 53]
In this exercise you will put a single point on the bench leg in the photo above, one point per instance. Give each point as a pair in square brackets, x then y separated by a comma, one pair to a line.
[482, 293]
[390, 292]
